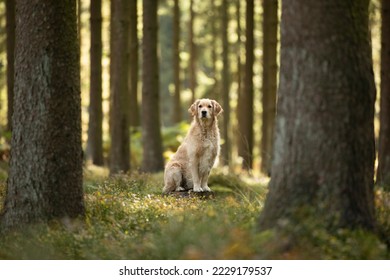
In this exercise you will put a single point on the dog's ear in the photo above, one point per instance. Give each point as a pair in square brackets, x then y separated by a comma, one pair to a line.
[192, 110]
[217, 108]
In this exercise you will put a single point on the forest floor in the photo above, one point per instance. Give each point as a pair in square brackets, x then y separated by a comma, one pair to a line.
[127, 217]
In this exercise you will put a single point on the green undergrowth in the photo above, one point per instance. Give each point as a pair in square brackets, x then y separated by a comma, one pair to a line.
[127, 217]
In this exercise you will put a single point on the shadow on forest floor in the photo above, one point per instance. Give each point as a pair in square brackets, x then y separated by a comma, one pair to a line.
[128, 218]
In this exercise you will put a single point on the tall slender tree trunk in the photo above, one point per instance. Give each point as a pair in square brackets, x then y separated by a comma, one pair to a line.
[383, 171]
[133, 65]
[193, 55]
[225, 152]
[151, 136]
[10, 17]
[95, 130]
[119, 107]
[270, 67]
[245, 116]
[214, 19]
[324, 152]
[238, 111]
[79, 25]
[45, 177]
[177, 109]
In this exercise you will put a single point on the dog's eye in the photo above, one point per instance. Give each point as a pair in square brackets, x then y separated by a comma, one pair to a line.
[209, 106]
[200, 106]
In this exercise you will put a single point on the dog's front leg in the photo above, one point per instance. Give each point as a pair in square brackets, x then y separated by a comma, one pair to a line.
[204, 179]
[195, 176]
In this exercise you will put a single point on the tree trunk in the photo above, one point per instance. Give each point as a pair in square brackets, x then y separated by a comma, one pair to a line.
[270, 67]
[192, 69]
[119, 107]
[324, 150]
[95, 132]
[239, 113]
[383, 172]
[214, 19]
[10, 15]
[79, 24]
[45, 177]
[151, 135]
[225, 151]
[177, 108]
[245, 114]
[133, 65]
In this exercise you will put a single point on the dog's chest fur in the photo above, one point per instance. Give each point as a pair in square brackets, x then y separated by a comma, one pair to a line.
[207, 147]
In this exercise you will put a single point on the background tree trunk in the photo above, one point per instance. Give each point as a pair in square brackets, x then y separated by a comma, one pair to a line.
[151, 136]
[383, 171]
[119, 105]
[245, 113]
[214, 49]
[177, 109]
[270, 67]
[133, 65]
[192, 69]
[10, 15]
[45, 177]
[324, 150]
[95, 132]
[225, 151]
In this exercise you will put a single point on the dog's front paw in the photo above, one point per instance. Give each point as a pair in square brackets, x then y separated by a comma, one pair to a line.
[206, 189]
[198, 189]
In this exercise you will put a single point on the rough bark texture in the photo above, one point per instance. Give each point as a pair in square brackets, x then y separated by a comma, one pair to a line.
[192, 70]
[225, 149]
[133, 65]
[10, 15]
[324, 149]
[45, 177]
[270, 67]
[383, 171]
[95, 131]
[177, 109]
[119, 105]
[245, 113]
[151, 136]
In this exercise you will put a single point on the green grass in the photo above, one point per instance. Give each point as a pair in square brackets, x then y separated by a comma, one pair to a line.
[128, 218]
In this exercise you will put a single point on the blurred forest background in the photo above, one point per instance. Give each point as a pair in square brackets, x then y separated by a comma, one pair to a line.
[201, 51]
[297, 184]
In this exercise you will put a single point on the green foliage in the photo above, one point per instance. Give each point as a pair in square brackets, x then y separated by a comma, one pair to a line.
[128, 218]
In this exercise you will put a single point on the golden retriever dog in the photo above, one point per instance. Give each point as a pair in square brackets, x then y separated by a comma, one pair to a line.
[190, 166]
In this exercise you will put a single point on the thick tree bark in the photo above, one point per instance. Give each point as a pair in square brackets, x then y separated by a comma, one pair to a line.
[270, 67]
[95, 130]
[151, 135]
[192, 70]
[383, 172]
[324, 150]
[10, 15]
[245, 113]
[133, 65]
[225, 151]
[45, 177]
[120, 99]
[177, 109]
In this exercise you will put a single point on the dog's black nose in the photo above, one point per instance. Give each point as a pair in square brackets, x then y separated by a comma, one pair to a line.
[204, 113]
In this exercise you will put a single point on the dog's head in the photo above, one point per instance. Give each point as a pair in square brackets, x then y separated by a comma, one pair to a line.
[205, 109]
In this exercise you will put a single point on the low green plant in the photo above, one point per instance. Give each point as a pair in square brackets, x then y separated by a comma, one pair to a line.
[127, 217]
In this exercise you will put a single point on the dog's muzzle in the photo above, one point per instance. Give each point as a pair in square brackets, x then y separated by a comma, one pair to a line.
[204, 114]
